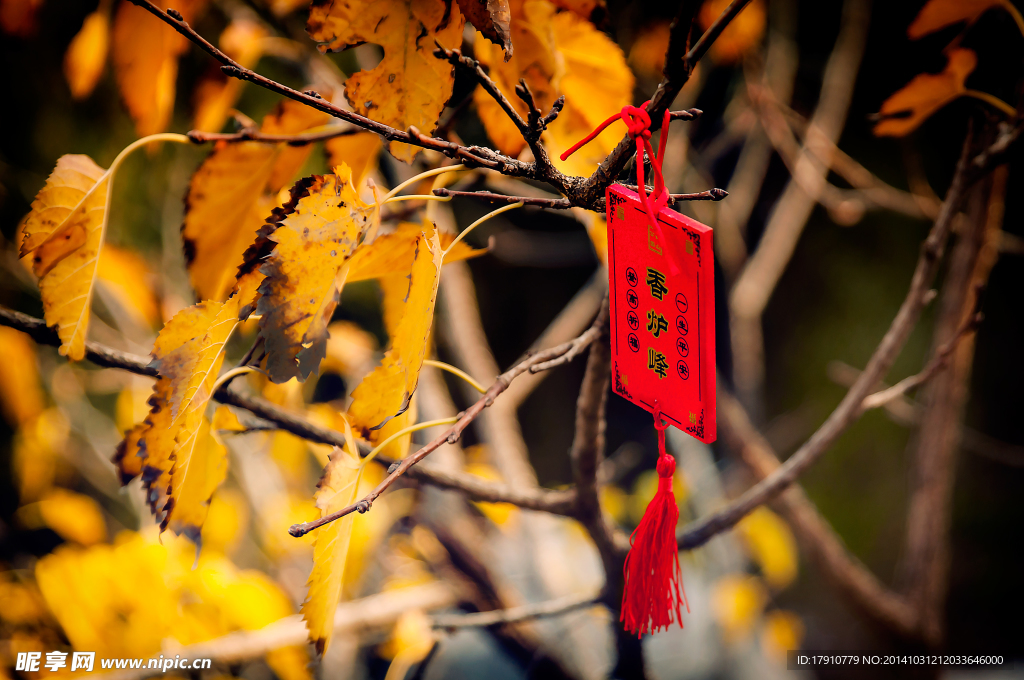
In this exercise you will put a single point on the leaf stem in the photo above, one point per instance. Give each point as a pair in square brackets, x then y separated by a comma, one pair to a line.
[992, 100]
[456, 371]
[236, 371]
[406, 430]
[422, 175]
[1015, 13]
[495, 213]
[417, 197]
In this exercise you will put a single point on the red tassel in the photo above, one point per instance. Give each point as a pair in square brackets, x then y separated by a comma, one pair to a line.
[653, 596]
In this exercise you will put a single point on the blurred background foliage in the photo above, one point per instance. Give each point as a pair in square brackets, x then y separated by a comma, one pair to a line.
[82, 566]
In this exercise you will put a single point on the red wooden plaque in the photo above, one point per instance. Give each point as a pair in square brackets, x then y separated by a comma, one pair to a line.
[662, 313]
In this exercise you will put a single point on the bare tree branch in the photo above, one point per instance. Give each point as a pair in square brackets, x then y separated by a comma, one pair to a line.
[556, 607]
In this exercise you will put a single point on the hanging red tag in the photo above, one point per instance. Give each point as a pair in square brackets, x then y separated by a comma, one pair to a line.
[662, 312]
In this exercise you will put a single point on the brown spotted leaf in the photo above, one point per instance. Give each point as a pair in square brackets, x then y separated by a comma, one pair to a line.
[492, 19]
[313, 237]
[410, 86]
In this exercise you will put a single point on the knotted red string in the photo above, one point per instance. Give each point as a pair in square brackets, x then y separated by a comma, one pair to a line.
[653, 594]
[638, 126]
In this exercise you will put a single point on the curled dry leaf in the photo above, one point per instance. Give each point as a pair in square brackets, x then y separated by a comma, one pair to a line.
[337, 489]
[310, 240]
[87, 54]
[910, 106]
[145, 56]
[937, 14]
[233, 192]
[492, 19]
[387, 391]
[410, 86]
[65, 239]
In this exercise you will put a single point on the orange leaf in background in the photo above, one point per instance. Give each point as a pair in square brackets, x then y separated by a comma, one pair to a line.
[743, 33]
[242, 40]
[938, 14]
[283, 7]
[128, 278]
[592, 10]
[647, 55]
[491, 18]
[21, 398]
[233, 192]
[18, 17]
[145, 54]
[71, 515]
[358, 151]
[910, 106]
[313, 237]
[410, 86]
[596, 83]
[337, 489]
[534, 60]
[87, 54]
[66, 242]
[387, 391]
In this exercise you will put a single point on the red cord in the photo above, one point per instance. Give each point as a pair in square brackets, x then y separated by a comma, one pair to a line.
[638, 126]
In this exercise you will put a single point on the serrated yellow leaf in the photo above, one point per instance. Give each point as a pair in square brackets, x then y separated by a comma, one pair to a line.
[393, 253]
[145, 56]
[905, 110]
[358, 151]
[182, 463]
[21, 398]
[387, 391]
[410, 86]
[233, 192]
[313, 236]
[87, 54]
[65, 257]
[337, 488]
[126, 456]
[242, 40]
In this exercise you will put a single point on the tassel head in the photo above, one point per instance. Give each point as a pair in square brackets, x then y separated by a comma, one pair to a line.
[653, 595]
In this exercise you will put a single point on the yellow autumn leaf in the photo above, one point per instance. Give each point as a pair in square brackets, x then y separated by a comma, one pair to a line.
[393, 253]
[126, 456]
[771, 544]
[499, 513]
[491, 18]
[312, 237]
[596, 83]
[182, 463]
[20, 600]
[591, 10]
[783, 631]
[736, 603]
[231, 194]
[410, 86]
[937, 14]
[242, 40]
[38, 450]
[910, 106]
[647, 54]
[21, 398]
[145, 56]
[337, 489]
[387, 391]
[87, 54]
[350, 350]
[128, 278]
[358, 151]
[535, 60]
[65, 243]
[71, 515]
[410, 641]
[743, 33]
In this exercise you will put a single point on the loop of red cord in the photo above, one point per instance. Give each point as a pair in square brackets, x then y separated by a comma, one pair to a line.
[638, 126]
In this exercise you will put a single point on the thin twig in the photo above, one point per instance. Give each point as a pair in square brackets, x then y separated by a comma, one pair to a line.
[456, 58]
[476, 488]
[250, 135]
[452, 434]
[534, 610]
